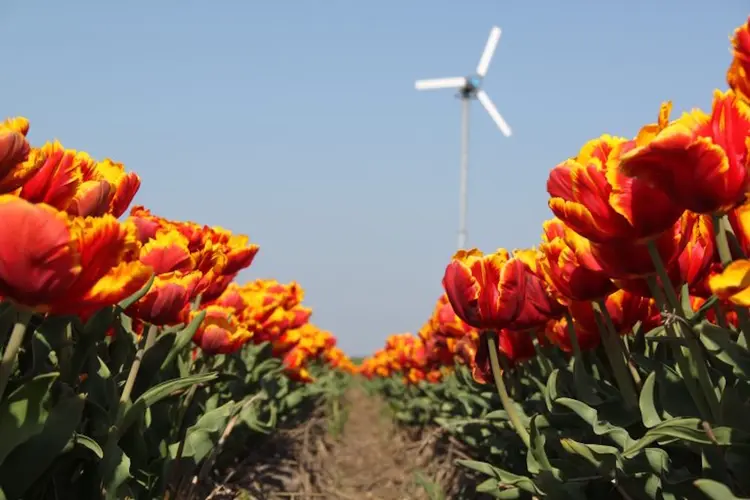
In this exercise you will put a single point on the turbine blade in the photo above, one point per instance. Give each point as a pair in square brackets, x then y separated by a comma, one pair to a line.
[440, 83]
[494, 113]
[489, 51]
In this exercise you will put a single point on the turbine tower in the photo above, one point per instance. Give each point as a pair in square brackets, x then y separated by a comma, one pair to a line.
[469, 88]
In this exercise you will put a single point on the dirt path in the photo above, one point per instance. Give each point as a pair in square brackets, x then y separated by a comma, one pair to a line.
[368, 460]
[371, 458]
[374, 459]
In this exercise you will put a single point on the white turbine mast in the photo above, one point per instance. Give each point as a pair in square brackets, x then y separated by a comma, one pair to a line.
[469, 89]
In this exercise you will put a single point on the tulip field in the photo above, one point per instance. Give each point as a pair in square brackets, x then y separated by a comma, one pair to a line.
[611, 361]
[133, 364]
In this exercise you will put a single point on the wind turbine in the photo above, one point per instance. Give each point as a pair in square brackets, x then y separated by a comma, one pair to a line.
[468, 89]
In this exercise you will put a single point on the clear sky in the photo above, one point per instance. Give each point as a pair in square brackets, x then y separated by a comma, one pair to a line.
[297, 122]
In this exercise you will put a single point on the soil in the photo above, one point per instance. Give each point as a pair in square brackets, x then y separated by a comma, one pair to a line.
[370, 458]
[373, 458]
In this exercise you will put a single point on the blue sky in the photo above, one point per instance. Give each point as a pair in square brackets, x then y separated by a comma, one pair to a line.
[297, 122]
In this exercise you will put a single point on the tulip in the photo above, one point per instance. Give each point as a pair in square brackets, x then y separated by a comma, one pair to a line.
[624, 308]
[590, 197]
[105, 188]
[445, 320]
[700, 161]
[558, 334]
[53, 262]
[219, 332]
[733, 284]
[738, 76]
[565, 271]
[167, 300]
[495, 291]
[59, 178]
[18, 162]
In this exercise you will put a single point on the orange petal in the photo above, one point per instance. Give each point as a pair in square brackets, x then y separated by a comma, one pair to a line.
[733, 283]
[57, 180]
[167, 252]
[91, 199]
[118, 284]
[38, 259]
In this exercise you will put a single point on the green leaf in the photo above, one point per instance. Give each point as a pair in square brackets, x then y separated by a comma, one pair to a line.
[97, 326]
[268, 366]
[157, 393]
[687, 429]
[673, 396]
[497, 415]
[126, 303]
[295, 398]
[114, 469]
[87, 338]
[27, 463]
[603, 458]
[101, 394]
[24, 413]
[183, 338]
[686, 306]
[715, 490]
[719, 344]
[42, 354]
[202, 436]
[152, 361]
[84, 441]
[250, 416]
[551, 393]
[492, 487]
[647, 402]
[585, 385]
[538, 459]
[504, 478]
[600, 427]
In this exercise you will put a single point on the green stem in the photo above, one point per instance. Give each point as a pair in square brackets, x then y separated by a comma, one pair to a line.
[673, 301]
[11, 350]
[631, 366]
[66, 355]
[698, 368]
[173, 466]
[540, 360]
[508, 405]
[574, 339]
[722, 243]
[128, 388]
[197, 302]
[613, 350]
[721, 228]
[679, 352]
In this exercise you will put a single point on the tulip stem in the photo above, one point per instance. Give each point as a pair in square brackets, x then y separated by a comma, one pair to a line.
[696, 361]
[574, 339]
[197, 302]
[678, 351]
[173, 466]
[130, 383]
[721, 227]
[507, 402]
[615, 355]
[722, 243]
[11, 350]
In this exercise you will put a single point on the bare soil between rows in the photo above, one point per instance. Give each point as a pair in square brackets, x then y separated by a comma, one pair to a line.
[371, 458]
